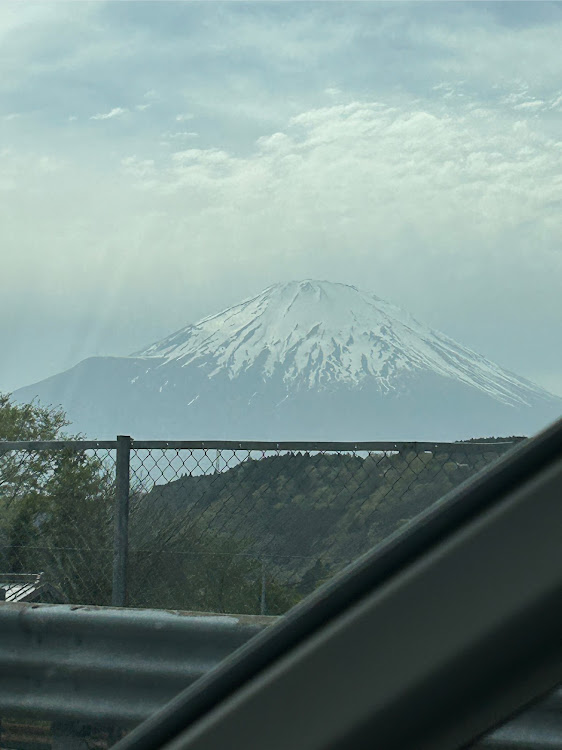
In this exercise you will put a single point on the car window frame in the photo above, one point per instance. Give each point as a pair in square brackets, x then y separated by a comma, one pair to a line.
[514, 482]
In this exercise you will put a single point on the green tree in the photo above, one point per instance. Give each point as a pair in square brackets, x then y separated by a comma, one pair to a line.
[23, 474]
[55, 507]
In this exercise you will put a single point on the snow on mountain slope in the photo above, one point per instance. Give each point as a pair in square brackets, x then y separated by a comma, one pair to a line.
[320, 335]
[306, 360]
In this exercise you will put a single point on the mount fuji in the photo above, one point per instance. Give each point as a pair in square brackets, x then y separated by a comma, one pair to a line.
[305, 360]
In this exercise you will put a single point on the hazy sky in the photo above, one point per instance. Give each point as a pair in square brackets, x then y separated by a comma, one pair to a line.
[160, 161]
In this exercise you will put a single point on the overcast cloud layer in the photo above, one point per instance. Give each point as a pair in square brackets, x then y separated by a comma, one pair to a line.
[159, 162]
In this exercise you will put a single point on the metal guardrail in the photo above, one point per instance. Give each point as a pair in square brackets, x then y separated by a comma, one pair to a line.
[105, 665]
[116, 667]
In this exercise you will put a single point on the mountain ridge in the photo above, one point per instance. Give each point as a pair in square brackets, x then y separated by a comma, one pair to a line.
[302, 360]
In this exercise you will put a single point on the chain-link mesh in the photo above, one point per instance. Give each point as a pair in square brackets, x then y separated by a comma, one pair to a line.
[254, 531]
[56, 525]
[224, 529]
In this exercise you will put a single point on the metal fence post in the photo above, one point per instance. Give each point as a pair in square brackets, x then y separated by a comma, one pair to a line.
[121, 535]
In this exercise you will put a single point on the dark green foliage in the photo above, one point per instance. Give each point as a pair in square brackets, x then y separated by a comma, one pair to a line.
[309, 515]
[176, 562]
[55, 507]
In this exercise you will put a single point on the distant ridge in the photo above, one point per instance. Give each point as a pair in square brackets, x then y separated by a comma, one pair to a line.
[301, 360]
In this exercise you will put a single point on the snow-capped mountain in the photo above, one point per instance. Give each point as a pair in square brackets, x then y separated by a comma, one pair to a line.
[301, 360]
[320, 335]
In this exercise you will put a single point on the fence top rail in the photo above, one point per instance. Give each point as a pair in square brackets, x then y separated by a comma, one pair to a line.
[39, 445]
[252, 445]
[303, 445]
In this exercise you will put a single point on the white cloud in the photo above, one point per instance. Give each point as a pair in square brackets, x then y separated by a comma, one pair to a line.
[532, 104]
[184, 117]
[275, 143]
[115, 112]
[138, 168]
[142, 107]
[396, 191]
[365, 175]
[181, 135]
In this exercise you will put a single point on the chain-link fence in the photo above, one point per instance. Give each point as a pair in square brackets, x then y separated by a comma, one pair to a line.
[57, 504]
[209, 526]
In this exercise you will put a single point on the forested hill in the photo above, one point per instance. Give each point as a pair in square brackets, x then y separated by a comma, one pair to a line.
[510, 439]
[302, 512]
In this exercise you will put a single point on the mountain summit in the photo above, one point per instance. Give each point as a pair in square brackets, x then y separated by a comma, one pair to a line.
[319, 334]
[301, 360]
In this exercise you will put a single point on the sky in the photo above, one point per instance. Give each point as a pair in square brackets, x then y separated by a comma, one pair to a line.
[161, 161]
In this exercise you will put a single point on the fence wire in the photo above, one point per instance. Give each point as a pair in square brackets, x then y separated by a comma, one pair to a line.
[56, 525]
[239, 529]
